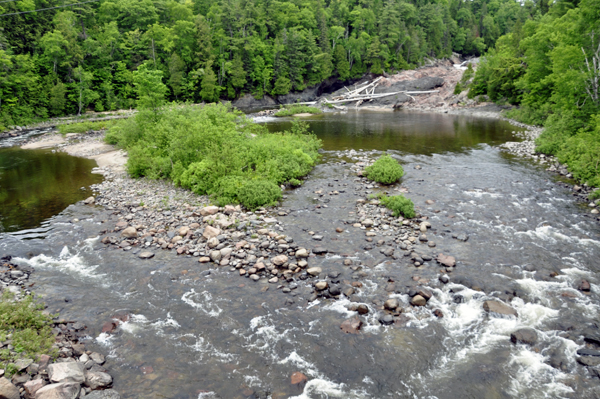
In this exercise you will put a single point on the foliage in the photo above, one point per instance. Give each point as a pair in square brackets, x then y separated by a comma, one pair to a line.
[84, 127]
[385, 170]
[30, 329]
[64, 61]
[215, 150]
[399, 205]
[549, 67]
[298, 109]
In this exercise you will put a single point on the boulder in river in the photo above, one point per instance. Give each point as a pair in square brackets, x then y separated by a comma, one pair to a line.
[314, 271]
[524, 336]
[499, 308]
[446, 260]
[352, 325]
[584, 286]
[391, 304]
[299, 380]
[129, 232]
[418, 300]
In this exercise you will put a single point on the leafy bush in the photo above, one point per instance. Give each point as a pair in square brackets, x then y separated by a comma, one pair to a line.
[385, 170]
[298, 109]
[399, 204]
[216, 151]
[83, 127]
[30, 328]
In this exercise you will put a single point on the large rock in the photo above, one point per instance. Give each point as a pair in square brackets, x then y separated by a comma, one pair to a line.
[279, 260]
[209, 210]
[524, 336]
[499, 308]
[446, 260]
[299, 380]
[183, 231]
[215, 256]
[314, 271]
[210, 232]
[63, 390]
[418, 300]
[106, 394]
[391, 304]
[8, 390]
[31, 387]
[351, 326]
[129, 232]
[69, 371]
[301, 253]
[248, 101]
[97, 379]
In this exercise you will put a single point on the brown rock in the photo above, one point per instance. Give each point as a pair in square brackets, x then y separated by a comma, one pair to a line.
[446, 260]
[299, 380]
[129, 232]
[499, 308]
[204, 259]
[279, 260]
[584, 286]
[418, 300]
[339, 230]
[63, 390]
[209, 210]
[8, 390]
[351, 326]
[391, 304]
[183, 231]
[31, 387]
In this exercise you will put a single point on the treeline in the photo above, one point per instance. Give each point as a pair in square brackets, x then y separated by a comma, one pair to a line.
[66, 60]
[550, 67]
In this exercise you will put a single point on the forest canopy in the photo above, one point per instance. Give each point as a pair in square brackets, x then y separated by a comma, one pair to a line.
[67, 60]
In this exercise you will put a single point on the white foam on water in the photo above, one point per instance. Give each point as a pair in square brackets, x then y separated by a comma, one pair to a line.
[139, 322]
[68, 263]
[208, 395]
[202, 347]
[532, 378]
[297, 360]
[322, 387]
[105, 339]
[551, 235]
[202, 301]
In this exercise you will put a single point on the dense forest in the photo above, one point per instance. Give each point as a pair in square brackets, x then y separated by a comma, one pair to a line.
[69, 59]
[550, 67]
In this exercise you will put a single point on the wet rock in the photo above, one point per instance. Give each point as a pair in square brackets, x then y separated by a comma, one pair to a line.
[524, 336]
[8, 390]
[273, 280]
[71, 371]
[386, 319]
[319, 251]
[335, 291]
[589, 361]
[351, 326]
[63, 390]
[362, 309]
[146, 255]
[418, 300]
[314, 271]
[204, 259]
[444, 279]
[438, 313]
[588, 352]
[446, 260]
[97, 379]
[391, 304]
[98, 358]
[210, 232]
[321, 285]
[499, 308]
[592, 336]
[129, 232]
[425, 293]
[106, 394]
[299, 380]
[584, 286]
[388, 251]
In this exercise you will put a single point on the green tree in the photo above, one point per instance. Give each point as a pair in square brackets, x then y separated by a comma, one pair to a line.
[57, 98]
[209, 92]
[149, 88]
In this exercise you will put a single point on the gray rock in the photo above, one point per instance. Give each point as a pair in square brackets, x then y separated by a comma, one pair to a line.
[22, 364]
[314, 271]
[63, 390]
[97, 379]
[106, 394]
[391, 304]
[499, 308]
[418, 300]
[588, 352]
[146, 255]
[524, 336]
[71, 371]
[129, 232]
[592, 336]
[386, 319]
[301, 253]
[215, 255]
[319, 251]
[8, 390]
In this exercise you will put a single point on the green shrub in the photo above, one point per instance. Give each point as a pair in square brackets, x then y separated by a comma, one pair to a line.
[30, 328]
[83, 127]
[385, 170]
[399, 205]
[213, 150]
[298, 109]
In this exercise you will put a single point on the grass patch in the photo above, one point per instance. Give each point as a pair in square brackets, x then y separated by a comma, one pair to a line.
[385, 170]
[29, 329]
[216, 150]
[399, 205]
[83, 127]
[298, 109]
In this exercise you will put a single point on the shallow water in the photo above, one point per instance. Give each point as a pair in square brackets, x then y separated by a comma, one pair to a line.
[194, 334]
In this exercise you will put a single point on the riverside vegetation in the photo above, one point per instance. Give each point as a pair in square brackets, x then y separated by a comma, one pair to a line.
[550, 68]
[67, 60]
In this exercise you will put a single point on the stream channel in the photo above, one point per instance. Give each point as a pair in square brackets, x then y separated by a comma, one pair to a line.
[514, 229]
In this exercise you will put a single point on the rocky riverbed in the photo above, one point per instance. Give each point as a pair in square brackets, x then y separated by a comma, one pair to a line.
[75, 373]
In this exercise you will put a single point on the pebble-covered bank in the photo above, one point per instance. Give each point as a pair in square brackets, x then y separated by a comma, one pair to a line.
[75, 373]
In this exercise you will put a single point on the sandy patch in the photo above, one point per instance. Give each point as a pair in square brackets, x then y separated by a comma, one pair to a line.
[303, 114]
[46, 142]
[114, 160]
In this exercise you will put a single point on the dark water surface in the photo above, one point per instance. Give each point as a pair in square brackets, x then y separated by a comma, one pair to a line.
[217, 335]
[38, 184]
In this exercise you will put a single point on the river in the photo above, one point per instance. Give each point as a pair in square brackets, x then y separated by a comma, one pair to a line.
[204, 332]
